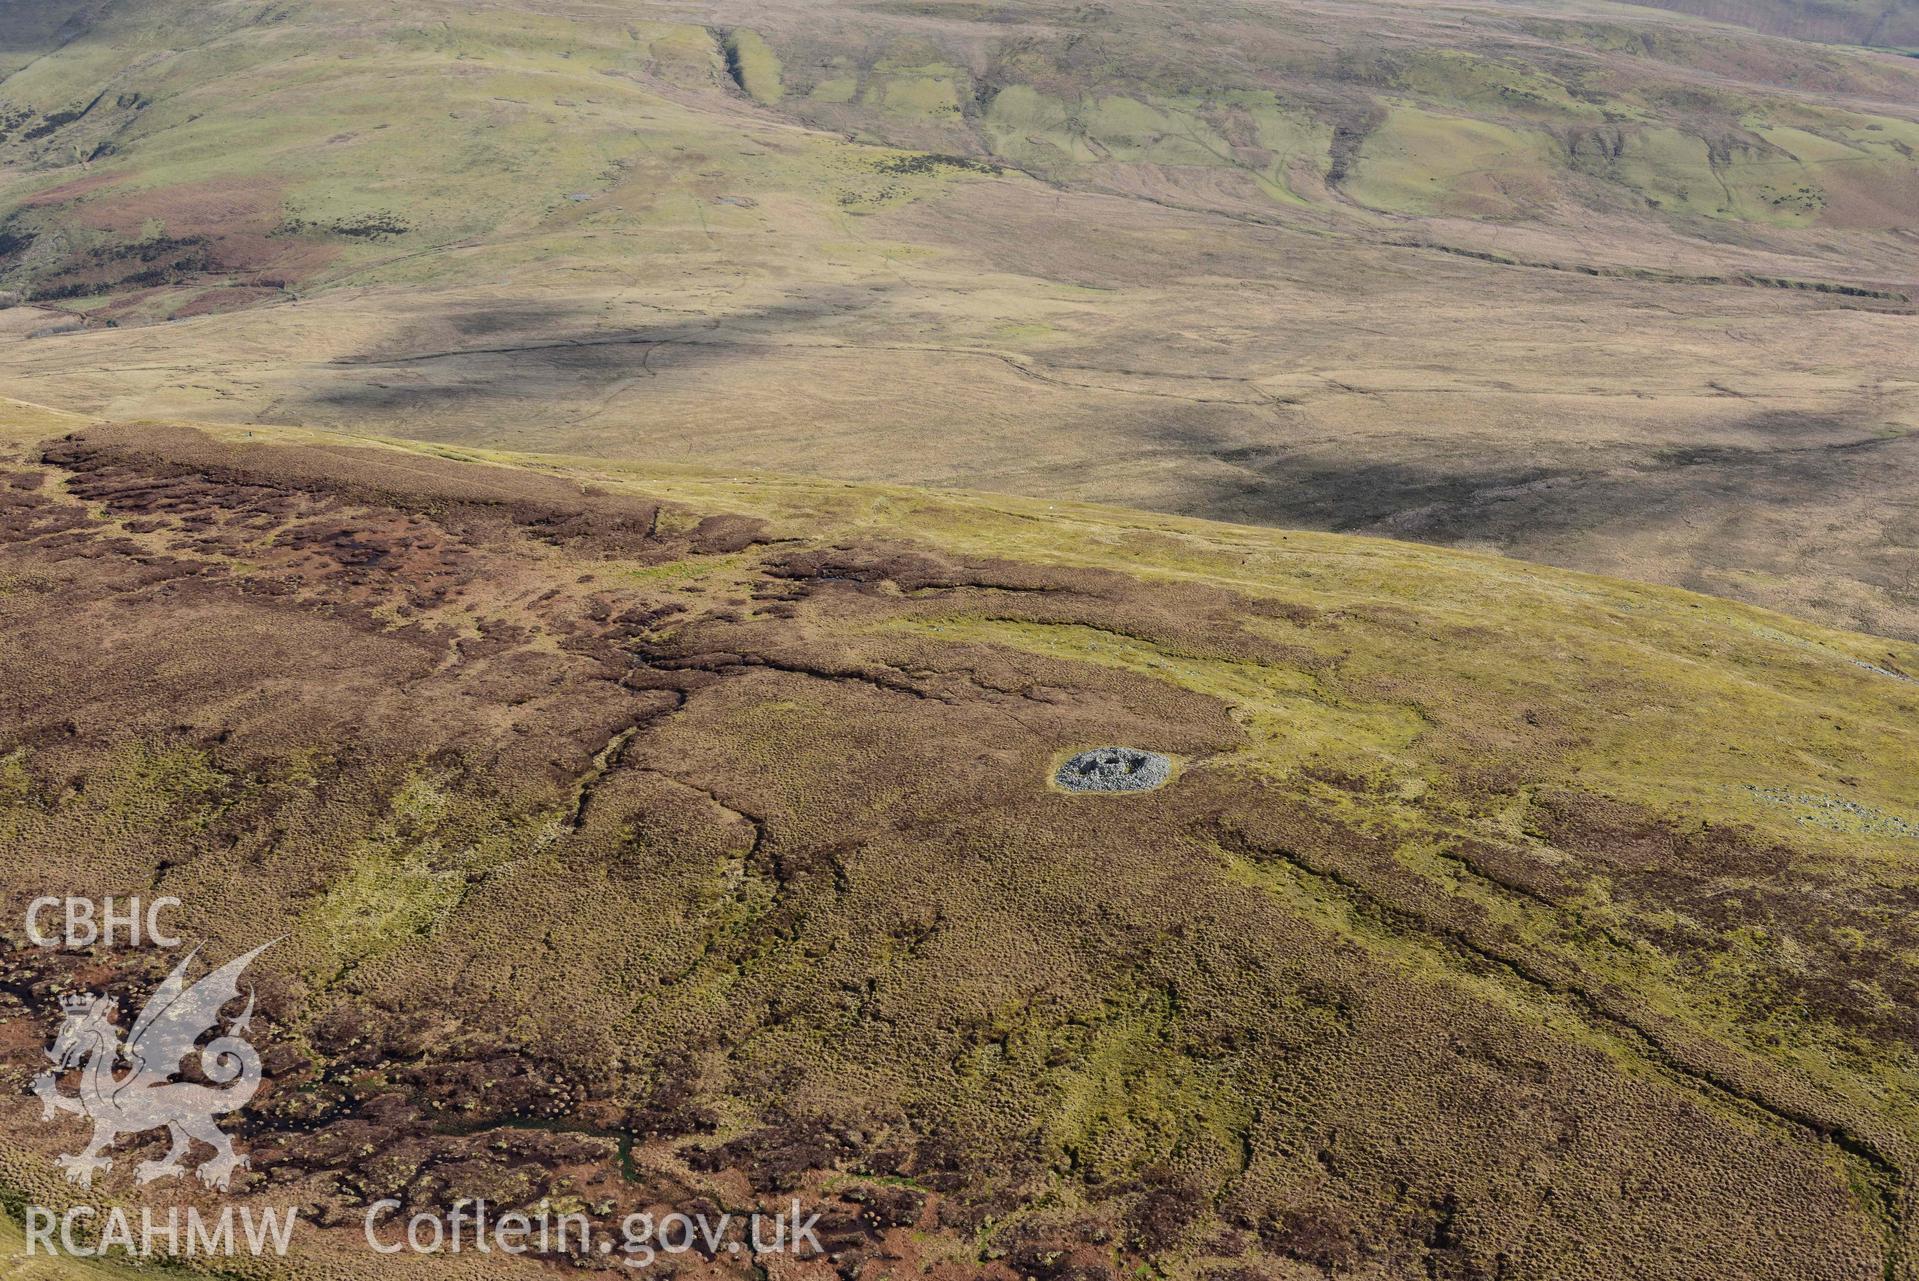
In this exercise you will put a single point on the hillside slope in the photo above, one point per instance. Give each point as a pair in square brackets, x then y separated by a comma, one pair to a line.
[1888, 24]
[641, 834]
[1597, 285]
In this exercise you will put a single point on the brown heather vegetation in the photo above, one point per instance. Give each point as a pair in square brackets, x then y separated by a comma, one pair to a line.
[669, 841]
[576, 518]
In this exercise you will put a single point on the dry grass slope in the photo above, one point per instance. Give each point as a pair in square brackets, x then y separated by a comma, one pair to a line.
[1600, 286]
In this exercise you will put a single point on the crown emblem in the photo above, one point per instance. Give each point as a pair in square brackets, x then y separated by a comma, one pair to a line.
[76, 1002]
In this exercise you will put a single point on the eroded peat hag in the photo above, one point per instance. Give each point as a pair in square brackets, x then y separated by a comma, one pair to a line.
[852, 640]
[646, 843]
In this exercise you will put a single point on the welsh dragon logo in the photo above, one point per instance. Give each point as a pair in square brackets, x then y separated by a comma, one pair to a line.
[145, 1096]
